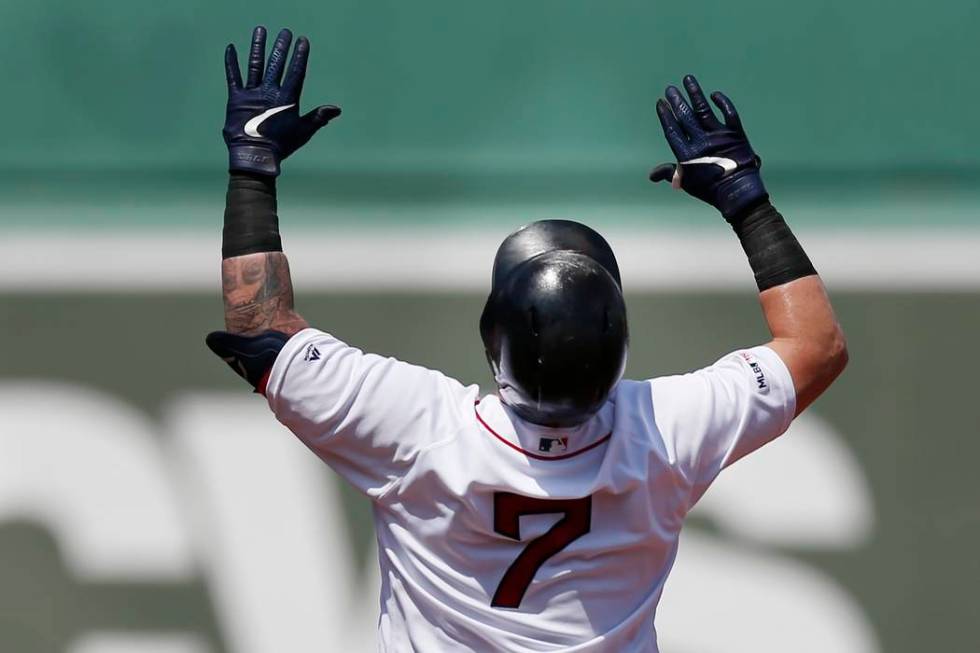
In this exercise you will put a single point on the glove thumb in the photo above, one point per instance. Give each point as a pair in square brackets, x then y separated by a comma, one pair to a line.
[663, 172]
[321, 115]
[251, 357]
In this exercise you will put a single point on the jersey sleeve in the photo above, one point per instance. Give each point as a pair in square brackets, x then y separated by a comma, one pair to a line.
[710, 418]
[367, 416]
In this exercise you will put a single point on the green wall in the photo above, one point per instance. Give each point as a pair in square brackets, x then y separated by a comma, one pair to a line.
[510, 83]
[504, 102]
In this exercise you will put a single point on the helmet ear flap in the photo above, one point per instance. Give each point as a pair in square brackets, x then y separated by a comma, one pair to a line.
[487, 328]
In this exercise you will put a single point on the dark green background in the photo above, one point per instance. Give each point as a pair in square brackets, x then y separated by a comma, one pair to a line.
[508, 84]
[115, 106]
[906, 406]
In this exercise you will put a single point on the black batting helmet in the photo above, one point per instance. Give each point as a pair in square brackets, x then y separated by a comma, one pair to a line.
[554, 326]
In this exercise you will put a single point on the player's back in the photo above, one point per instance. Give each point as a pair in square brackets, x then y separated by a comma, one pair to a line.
[516, 535]
[498, 534]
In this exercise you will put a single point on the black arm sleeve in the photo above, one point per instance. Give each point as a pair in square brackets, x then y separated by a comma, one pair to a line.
[776, 257]
[251, 223]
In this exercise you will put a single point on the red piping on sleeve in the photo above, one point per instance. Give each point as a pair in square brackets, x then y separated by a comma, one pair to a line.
[263, 382]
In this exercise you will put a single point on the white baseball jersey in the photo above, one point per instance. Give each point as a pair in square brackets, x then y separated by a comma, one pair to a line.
[495, 534]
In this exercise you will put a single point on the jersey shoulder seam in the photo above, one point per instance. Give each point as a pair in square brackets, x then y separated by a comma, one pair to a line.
[395, 482]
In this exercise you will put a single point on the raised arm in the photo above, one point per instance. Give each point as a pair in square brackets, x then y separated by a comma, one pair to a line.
[716, 164]
[263, 126]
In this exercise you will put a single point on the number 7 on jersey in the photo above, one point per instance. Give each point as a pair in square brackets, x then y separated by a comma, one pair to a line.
[507, 511]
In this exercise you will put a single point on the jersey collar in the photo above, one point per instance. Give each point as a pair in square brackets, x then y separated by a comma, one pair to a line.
[542, 442]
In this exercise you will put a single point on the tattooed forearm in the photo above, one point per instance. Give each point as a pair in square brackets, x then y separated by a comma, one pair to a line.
[258, 294]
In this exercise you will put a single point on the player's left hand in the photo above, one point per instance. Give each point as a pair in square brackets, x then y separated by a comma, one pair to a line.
[263, 125]
[715, 162]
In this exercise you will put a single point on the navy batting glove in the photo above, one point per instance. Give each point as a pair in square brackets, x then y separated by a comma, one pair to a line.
[715, 162]
[263, 125]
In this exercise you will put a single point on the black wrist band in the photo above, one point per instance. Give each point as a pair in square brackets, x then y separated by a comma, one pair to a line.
[251, 223]
[776, 257]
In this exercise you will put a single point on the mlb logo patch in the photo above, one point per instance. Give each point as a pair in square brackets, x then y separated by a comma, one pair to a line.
[553, 445]
[761, 384]
[312, 354]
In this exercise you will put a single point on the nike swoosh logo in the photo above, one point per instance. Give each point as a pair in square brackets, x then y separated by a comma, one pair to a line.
[726, 164]
[252, 126]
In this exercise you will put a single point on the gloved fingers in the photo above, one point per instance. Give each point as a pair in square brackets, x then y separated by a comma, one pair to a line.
[256, 57]
[683, 111]
[232, 72]
[675, 137]
[663, 172]
[321, 115]
[727, 110]
[700, 105]
[292, 87]
[277, 60]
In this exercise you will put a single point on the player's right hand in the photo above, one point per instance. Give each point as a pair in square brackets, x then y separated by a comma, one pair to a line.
[263, 125]
[715, 162]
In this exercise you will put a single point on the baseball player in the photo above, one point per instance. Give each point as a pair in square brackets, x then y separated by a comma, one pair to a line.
[544, 516]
